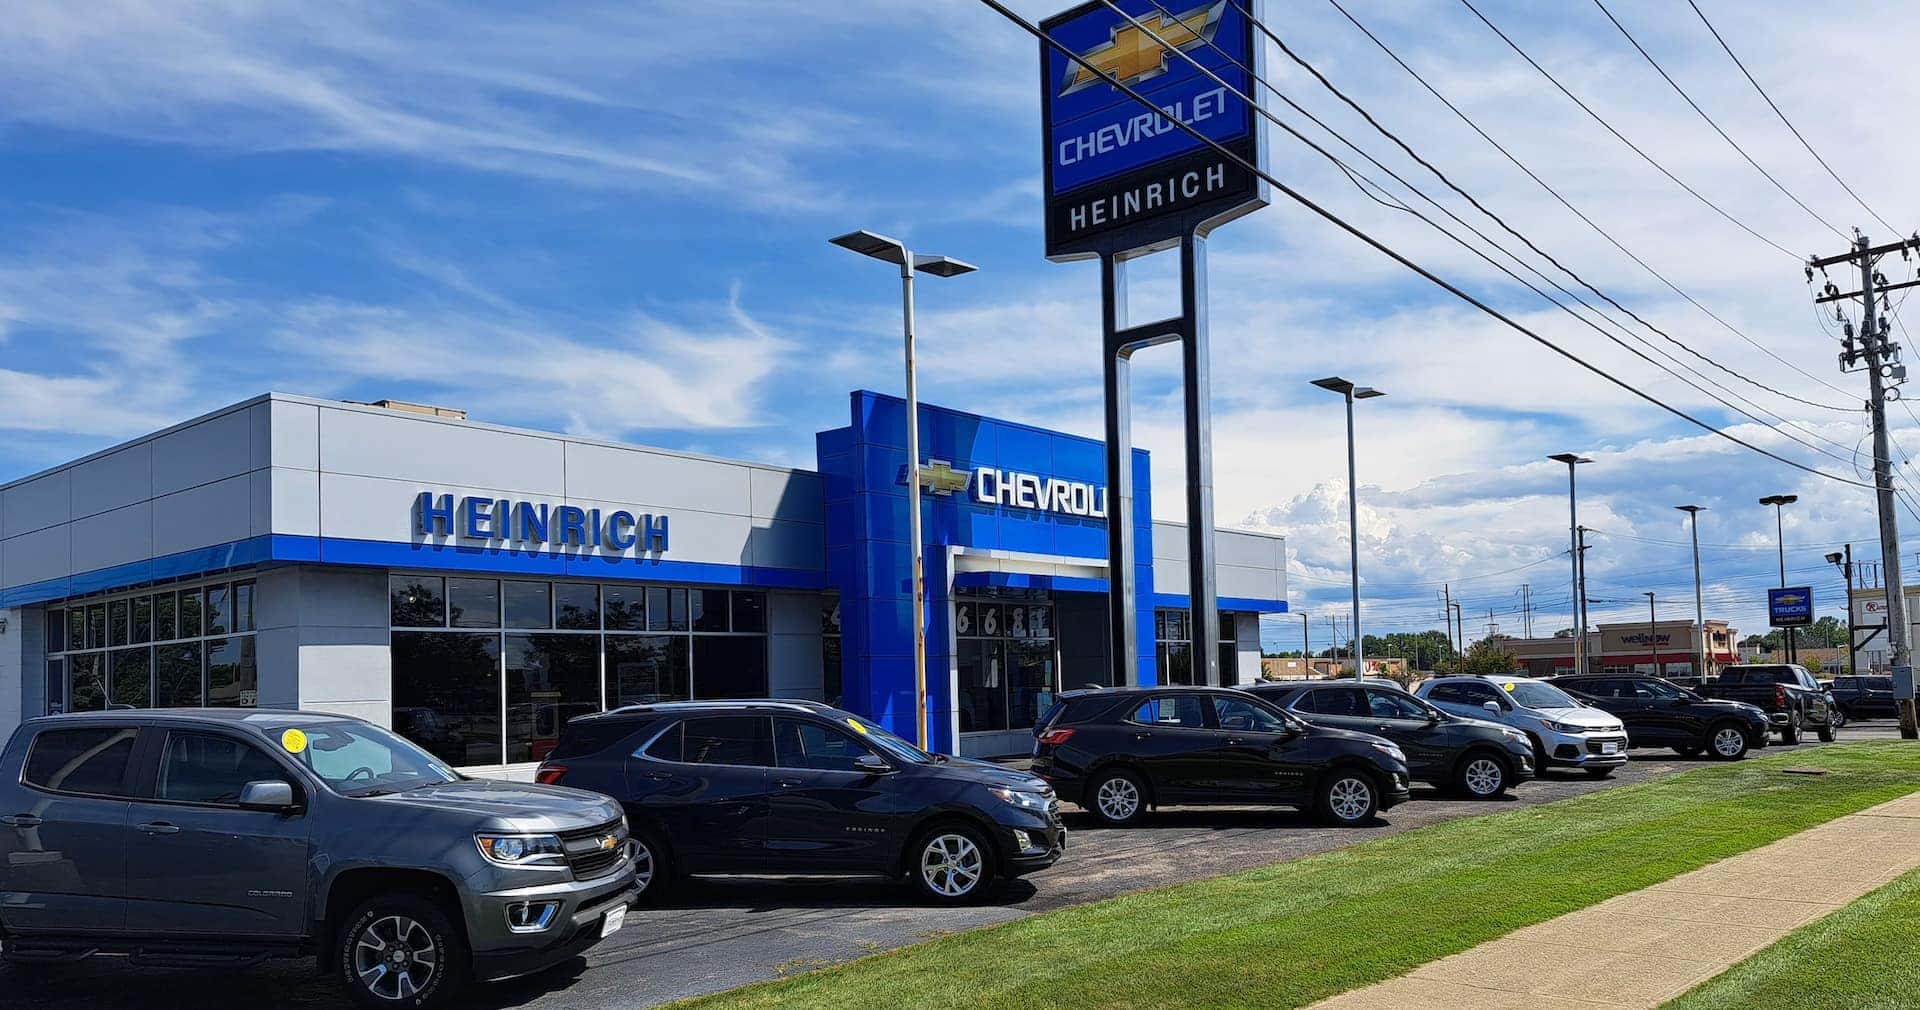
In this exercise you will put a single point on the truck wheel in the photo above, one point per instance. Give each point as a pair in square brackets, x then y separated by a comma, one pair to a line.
[1119, 798]
[400, 950]
[1790, 733]
[1826, 732]
[1728, 742]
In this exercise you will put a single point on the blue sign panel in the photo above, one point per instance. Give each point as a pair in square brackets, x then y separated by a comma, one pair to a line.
[1113, 163]
[1791, 607]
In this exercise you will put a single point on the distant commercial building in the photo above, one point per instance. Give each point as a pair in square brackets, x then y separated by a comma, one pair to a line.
[1665, 649]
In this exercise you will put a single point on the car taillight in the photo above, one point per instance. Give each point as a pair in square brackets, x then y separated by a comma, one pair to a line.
[550, 774]
[1056, 737]
[1780, 695]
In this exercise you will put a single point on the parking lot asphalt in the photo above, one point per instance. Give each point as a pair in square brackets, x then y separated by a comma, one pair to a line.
[709, 936]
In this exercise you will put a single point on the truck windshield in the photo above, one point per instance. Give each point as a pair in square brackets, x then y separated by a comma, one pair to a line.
[357, 759]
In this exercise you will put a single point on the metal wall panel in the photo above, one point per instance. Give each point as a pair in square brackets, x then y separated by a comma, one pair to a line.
[216, 448]
[119, 537]
[659, 480]
[111, 481]
[203, 516]
[35, 504]
[391, 444]
[36, 557]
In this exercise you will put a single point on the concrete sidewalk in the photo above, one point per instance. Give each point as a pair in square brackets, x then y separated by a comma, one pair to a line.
[1644, 948]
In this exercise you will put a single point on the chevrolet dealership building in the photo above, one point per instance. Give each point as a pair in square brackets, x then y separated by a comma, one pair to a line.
[475, 586]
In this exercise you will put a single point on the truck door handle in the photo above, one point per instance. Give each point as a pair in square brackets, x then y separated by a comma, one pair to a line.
[160, 828]
[22, 820]
[787, 783]
[1234, 741]
[659, 776]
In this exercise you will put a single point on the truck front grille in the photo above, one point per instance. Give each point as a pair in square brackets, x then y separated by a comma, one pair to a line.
[595, 852]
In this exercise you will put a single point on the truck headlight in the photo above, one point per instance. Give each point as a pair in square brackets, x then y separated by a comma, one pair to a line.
[1017, 798]
[522, 850]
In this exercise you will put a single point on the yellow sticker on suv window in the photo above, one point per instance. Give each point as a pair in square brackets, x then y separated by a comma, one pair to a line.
[857, 728]
[1509, 688]
[294, 741]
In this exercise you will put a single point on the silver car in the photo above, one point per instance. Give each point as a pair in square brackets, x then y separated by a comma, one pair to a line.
[1564, 732]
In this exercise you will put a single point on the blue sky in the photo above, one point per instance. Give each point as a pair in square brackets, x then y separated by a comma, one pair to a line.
[610, 219]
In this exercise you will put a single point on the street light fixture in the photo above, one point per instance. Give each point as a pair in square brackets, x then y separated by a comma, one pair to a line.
[1350, 392]
[1699, 606]
[1573, 533]
[889, 250]
[1844, 562]
[1780, 534]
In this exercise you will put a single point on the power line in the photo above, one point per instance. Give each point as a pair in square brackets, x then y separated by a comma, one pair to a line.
[1649, 159]
[1783, 118]
[1716, 126]
[1587, 220]
[1442, 176]
[1141, 26]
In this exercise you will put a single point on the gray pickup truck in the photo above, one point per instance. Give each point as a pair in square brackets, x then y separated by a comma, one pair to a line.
[222, 837]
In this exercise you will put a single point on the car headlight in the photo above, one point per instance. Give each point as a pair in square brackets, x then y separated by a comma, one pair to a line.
[1391, 751]
[1018, 798]
[1562, 727]
[522, 850]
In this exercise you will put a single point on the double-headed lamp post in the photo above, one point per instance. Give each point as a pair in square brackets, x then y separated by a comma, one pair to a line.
[1573, 551]
[893, 251]
[1780, 535]
[1350, 392]
[1699, 604]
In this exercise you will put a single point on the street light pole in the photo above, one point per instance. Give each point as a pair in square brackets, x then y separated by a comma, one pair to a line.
[1780, 534]
[889, 250]
[1653, 634]
[1699, 606]
[1573, 534]
[1350, 392]
[1844, 562]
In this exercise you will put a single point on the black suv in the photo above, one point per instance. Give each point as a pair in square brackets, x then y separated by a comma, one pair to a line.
[1865, 697]
[1118, 752]
[800, 788]
[1659, 714]
[1475, 757]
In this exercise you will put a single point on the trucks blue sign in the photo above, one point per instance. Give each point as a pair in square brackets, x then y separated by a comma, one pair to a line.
[1791, 607]
[1113, 164]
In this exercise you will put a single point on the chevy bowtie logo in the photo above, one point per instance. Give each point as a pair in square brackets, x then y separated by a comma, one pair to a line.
[608, 843]
[940, 477]
[1135, 55]
[1791, 599]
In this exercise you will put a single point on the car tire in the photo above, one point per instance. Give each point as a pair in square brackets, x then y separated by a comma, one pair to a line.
[652, 868]
[1118, 798]
[1825, 733]
[1839, 717]
[403, 929]
[951, 863]
[1688, 751]
[1727, 742]
[1599, 773]
[1482, 776]
[1790, 733]
[1347, 797]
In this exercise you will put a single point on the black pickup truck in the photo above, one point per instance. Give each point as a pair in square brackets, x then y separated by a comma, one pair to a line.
[1793, 700]
[1865, 697]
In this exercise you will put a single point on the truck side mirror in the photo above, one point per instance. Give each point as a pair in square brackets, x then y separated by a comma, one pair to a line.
[267, 794]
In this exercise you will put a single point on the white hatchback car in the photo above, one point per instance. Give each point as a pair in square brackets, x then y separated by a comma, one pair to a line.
[1565, 733]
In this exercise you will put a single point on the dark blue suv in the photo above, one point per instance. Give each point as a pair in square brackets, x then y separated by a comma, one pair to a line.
[800, 788]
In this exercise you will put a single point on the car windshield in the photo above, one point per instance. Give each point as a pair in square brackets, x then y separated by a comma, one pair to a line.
[358, 759]
[890, 745]
[1532, 694]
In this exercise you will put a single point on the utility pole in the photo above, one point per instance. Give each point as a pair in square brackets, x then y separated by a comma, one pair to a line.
[1653, 636]
[1699, 606]
[1526, 609]
[1460, 618]
[1881, 357]
[1844, 560]
[1574, 534]
[1446, 614]
[1580, 538]
[1306, 644]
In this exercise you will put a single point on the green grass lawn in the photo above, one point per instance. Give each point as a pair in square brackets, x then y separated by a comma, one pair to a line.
[1296, 932]
[1859, 958]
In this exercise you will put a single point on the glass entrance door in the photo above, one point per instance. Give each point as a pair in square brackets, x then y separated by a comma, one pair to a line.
[1008, 661]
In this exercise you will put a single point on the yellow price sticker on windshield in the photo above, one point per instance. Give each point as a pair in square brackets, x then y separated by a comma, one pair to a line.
[857, 728]
[294, 741]
[1509, 688]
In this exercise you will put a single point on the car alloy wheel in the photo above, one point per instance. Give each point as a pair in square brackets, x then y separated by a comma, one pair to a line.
[1118, 799]
[1484, 776]
[643, 865]
[395, 958]
[1350, 799]
[951, 865]
[1729, 742]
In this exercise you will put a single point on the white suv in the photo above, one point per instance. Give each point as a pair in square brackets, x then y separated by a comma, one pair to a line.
[1565, 733]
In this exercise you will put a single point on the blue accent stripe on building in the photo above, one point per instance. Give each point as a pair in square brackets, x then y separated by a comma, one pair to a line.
[283, 548]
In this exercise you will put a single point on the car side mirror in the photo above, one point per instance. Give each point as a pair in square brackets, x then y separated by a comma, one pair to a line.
[1491, 706]
[267, 794]
[872, 764]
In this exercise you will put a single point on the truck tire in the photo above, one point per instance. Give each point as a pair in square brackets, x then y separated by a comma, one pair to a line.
[400, 950]
[1790, 733]
[1826, 732]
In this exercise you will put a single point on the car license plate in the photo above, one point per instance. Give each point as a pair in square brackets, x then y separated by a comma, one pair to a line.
[615, 918]
[1609, 748]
